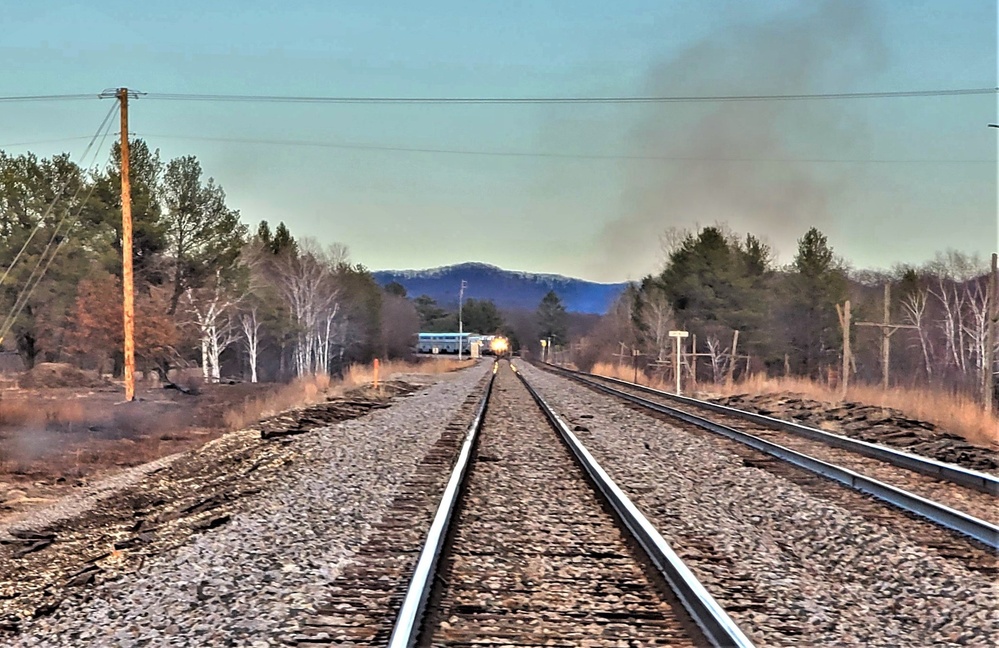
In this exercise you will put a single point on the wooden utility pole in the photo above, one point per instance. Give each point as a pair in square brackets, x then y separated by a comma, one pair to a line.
[126, 252]
[731, 364]
[887, 329]
[678, 336]
[620, 356]
[844, 323]
[988, 369]
[693, 362]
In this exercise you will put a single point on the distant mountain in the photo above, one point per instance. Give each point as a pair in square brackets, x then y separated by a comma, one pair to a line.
[506, 288]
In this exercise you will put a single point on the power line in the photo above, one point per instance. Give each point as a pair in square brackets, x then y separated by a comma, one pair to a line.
[105, 125]
[58, 238]
[541, 154]
[265, 98]
[49, 141]
[57, 97]
[568, 100]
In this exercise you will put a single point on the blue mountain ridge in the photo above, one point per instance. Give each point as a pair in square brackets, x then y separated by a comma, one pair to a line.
[507, 289]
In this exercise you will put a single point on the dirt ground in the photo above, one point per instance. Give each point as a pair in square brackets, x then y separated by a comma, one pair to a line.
[53, 439]
[44, 561]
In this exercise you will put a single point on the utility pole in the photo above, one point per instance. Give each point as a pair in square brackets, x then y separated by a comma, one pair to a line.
[126, 252]
[988, 370]
[461, 331]
[844, 322]
[678, 336]
[620, 356]
[734, 359]
[887, 329]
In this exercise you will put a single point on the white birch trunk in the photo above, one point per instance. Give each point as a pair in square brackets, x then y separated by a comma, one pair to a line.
[251, 339]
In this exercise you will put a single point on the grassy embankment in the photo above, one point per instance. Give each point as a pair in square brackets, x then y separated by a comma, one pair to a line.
[956, 413]
[303, 392]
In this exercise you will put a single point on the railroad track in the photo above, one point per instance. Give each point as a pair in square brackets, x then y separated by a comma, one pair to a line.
[957, 498]
[531, 544]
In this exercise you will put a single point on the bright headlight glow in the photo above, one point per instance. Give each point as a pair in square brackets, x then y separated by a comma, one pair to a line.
[499, 345]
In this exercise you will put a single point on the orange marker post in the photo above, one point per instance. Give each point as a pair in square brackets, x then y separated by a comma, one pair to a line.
[376, 373]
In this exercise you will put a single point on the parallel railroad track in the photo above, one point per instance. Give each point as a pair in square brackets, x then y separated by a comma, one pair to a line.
[532, 544]
[915, 484]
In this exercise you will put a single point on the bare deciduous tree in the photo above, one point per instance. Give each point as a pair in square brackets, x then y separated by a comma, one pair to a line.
[914, 308]
[657, 319]
[718, 355]
[309, 284]
[953, 271]
[211, 308]
[975, 321]
[249, 322]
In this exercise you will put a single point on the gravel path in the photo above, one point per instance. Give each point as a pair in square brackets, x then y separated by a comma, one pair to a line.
[250, 582]
[791, 568]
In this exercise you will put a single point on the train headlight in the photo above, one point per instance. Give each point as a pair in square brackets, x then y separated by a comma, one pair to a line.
[499, 345]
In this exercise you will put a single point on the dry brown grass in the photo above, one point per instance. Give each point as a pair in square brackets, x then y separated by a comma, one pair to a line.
[628, 373]
[301, 392]
[956, 413]
[314, 389]
[17, 412]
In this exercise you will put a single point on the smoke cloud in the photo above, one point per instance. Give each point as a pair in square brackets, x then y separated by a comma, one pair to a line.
[744, 163]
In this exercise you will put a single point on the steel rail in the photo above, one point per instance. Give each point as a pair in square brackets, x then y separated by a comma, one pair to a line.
[941, 470]
[406, 631]
[718, 627]
[980, 530]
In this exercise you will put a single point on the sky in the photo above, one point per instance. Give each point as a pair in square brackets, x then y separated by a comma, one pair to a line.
[585, 190]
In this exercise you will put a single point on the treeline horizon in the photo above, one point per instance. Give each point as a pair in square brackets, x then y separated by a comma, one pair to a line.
[211, 291]
[714, 283]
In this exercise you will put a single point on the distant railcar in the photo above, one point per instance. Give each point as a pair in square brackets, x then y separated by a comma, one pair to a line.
[436, 343]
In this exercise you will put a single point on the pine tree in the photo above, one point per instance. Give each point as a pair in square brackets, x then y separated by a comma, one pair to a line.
[552, 320]
[815, 284]
[203, 233]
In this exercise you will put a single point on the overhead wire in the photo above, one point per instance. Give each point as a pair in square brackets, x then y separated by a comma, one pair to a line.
[58, 194]
[353, 146]
[615, 99]
[46, 141]
[39, 271]
[55, 97]
[263, 98]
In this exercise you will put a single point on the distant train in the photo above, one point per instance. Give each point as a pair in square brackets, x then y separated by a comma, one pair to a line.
[443, 343]
[438, 343]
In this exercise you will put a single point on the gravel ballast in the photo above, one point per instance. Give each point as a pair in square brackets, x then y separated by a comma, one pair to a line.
[251, 581]
[792, 568]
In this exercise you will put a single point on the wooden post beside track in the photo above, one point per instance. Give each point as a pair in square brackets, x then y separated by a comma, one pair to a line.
[887, 329]
[844, 322]
[126, 253]
[735, 357]
[678, 337]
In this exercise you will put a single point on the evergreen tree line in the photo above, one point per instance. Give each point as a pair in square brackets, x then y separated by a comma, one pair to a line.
[714, 283]
[209, 292]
